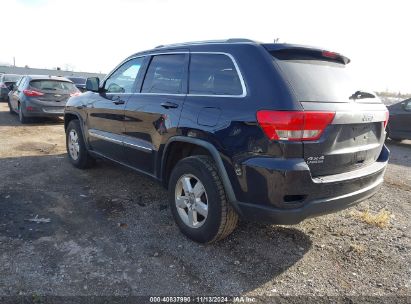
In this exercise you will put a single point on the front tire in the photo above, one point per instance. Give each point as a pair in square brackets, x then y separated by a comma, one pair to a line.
[198, 201]
[76, 146]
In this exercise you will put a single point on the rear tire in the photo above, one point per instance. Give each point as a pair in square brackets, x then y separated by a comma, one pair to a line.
[76, 146]
[215, 218]
[10, 108]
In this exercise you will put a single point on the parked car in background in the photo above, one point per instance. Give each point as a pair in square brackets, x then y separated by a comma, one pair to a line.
[6, 83]
[268, 140]
[79, 82]
[41, 96]
[13, 88]
[399, 125]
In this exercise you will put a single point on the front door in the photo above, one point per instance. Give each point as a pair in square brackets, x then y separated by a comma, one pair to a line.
[405, 119]
[153, 113]
[106, 110]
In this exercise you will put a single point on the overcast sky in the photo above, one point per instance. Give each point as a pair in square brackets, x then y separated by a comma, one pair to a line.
[95, 35]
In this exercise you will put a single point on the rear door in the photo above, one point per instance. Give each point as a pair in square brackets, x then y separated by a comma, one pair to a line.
[321, 81]
[105, 110]
[153, 113]
[15, 96]
[406, 119]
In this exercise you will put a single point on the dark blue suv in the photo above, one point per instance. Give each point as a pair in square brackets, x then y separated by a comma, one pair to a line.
[235, 128]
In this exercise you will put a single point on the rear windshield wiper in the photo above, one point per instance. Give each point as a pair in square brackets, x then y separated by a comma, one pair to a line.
[361, 95]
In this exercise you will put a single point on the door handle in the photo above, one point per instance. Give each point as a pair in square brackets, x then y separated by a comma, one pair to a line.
[118, 101]
[169, 105]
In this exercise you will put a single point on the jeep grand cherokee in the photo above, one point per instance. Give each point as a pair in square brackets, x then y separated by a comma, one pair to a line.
[267, 132]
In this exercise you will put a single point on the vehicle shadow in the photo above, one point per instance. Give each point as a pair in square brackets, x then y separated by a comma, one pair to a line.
[124, 217]
[8, 119]
[404, 143]
[400, 152]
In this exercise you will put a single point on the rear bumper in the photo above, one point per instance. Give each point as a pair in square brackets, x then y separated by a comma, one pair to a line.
[43, 109]
[317, 196]
[266, 214]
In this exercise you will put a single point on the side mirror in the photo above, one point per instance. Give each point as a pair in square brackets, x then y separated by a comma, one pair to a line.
[93, 84]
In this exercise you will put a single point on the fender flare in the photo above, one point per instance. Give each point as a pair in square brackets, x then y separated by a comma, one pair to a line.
[81, 124]
[215, 155]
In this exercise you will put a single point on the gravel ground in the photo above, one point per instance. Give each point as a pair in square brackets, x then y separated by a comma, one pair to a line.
[111, 233]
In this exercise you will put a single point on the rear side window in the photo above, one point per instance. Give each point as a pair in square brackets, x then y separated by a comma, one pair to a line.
[53, 85]
[19, 82]
[22, 84]
[165, 74]
[213, 74]
[318, 79]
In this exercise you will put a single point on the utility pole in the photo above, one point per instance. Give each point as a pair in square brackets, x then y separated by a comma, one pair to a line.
[14, 61]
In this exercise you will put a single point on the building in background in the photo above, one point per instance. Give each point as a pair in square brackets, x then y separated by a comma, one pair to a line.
[57, 72]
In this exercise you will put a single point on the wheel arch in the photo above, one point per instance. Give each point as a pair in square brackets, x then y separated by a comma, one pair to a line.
[210, 149]
[69, 116]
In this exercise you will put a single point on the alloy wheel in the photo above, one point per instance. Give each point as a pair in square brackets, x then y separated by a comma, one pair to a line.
[191, 201]
[73, 144]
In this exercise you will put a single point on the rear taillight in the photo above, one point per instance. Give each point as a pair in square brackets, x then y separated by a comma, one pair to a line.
[329, 54]
[75, 94]
[32, 93]
[387, 117]
[294, 125]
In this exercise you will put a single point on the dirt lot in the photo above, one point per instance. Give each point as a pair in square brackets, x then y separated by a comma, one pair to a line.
[111, 233]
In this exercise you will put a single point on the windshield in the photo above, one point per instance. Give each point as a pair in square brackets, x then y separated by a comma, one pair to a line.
[53, 85]
[320, 80]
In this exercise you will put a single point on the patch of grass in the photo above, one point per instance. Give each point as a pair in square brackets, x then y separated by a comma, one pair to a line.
[360, 249]
[380, 219]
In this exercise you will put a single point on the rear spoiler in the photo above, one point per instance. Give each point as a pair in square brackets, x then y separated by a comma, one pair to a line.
[290, 51]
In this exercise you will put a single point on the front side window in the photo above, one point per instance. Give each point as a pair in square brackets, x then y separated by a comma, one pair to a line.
[213, 74]
[122, 80]
[408, 106]
[165, 74]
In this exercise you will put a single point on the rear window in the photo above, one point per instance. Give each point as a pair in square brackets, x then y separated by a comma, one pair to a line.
[213, 74]
[314, 79]
[165, 74]
[53, 85]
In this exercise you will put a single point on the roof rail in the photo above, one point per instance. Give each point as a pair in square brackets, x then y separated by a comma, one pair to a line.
[234, 40]
[230, 40]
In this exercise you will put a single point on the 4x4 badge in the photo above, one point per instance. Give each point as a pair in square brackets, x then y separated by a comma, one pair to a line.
[315, 159]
